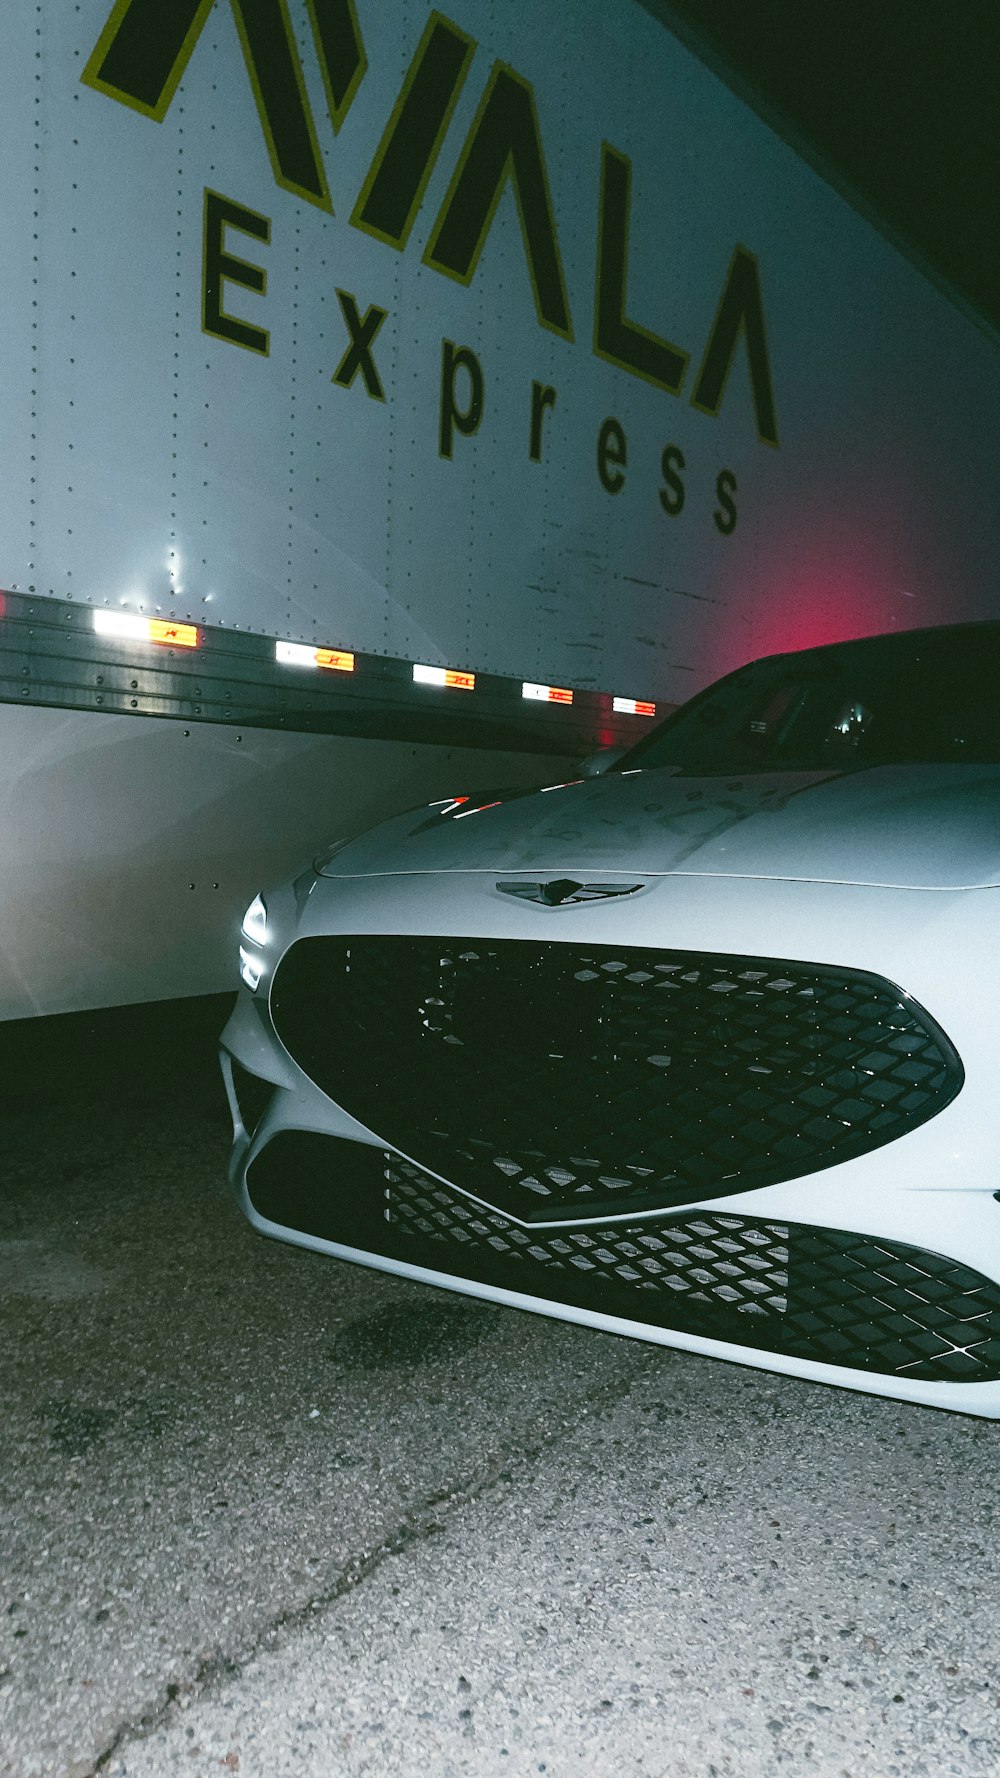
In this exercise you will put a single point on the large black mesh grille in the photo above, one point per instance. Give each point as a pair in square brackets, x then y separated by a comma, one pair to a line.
[821, 1293]
[815, 1292]
[558, 1080]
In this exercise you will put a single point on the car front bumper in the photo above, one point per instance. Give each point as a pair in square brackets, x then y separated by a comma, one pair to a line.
[860, 1225]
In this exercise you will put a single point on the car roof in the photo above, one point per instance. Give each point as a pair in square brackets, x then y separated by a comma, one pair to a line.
[903, 642]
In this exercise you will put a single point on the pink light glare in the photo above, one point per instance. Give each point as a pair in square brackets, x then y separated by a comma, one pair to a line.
[828, 578]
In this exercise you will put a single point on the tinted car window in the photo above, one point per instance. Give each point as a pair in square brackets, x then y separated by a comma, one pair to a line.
[931, 697]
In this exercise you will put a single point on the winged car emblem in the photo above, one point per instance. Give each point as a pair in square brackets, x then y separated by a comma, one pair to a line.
[563, 891]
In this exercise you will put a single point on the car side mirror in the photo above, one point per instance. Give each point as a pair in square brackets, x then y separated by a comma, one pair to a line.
[596, 764]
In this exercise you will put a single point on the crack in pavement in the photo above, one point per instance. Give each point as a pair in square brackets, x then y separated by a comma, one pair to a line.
[416, 1529]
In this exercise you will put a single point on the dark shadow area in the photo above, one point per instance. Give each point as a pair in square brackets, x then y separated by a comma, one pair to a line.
[61, 1074]
[895, 103]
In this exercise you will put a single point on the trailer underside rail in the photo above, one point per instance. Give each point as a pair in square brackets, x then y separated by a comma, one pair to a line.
[53, 653]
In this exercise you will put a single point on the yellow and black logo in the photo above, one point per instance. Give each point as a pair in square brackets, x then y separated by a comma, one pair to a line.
[139, 60]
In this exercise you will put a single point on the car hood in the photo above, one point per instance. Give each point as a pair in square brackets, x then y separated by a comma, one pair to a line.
[904, 826]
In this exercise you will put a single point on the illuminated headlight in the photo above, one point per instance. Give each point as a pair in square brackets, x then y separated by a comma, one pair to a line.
[251, 969]
[255, 921]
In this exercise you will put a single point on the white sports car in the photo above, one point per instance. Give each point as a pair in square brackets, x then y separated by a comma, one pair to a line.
[704, 1049]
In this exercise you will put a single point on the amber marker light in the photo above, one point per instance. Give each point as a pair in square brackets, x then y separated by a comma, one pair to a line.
[444, 676]
[184, 635]
[632, 707]
[300, 654]
[125, 627]
[546, 694]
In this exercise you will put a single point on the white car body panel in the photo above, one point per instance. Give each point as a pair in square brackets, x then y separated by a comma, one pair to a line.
[901, 826]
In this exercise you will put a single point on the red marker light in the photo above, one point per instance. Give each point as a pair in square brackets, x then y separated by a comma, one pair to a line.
[546, 694]
[632, 707]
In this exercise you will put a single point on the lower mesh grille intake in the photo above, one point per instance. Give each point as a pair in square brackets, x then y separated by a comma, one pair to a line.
[819, 1293]
[556, 1080]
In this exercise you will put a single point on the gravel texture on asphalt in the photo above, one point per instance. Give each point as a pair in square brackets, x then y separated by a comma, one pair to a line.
[261, 1512]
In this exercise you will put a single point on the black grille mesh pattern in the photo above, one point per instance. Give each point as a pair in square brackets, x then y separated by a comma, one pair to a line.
[810, 1292]
[558, 1080]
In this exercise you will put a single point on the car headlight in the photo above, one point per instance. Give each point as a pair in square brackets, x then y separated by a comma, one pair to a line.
[251, 969]
[255, 921]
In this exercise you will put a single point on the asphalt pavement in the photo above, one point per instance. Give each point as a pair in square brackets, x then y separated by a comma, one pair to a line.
[268, 1514]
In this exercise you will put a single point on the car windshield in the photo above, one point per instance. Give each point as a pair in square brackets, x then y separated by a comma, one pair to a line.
[928, 696]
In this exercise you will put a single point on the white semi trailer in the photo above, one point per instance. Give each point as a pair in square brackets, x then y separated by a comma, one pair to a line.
[397, 401]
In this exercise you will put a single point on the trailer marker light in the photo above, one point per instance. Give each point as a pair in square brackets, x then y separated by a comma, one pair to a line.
[127, 628]
[337, 660]
[120, 624]
[632, 707]
[299, 654]
[546, 694]
[184, 635]
[444, 676]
